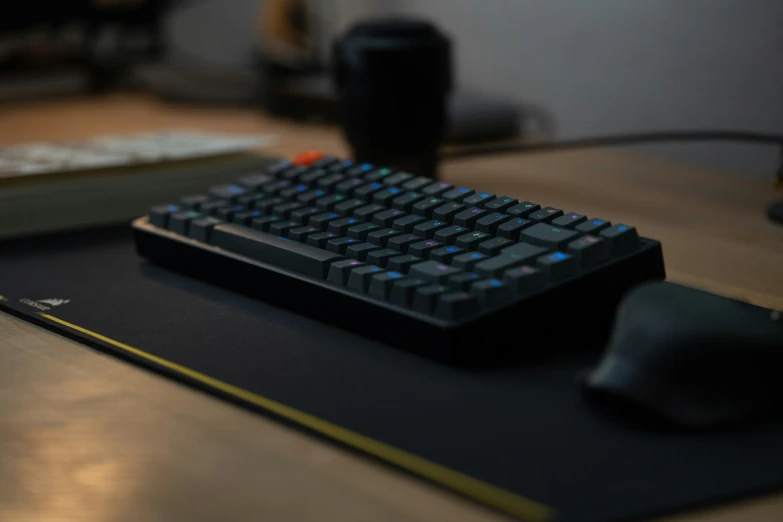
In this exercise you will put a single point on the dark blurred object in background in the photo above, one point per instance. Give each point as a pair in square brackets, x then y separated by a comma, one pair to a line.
[393, 79]
[48, 45]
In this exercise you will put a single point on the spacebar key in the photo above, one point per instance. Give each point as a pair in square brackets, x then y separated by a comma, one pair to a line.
[275, 250]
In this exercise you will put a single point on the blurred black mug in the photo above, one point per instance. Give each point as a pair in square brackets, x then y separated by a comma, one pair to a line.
[393, 78]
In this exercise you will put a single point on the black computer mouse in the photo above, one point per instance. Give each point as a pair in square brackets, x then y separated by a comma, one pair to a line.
[690, 358]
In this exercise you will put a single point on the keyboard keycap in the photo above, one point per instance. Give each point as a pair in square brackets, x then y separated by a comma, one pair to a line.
[546, 214]
[366, 212]
[381, 284]
[397, 179]
[295, 174]
[339, 271]
[403, 263]
[513, 228]
[467, 218]
[479, 200]
[427, 206]
[402, 242]
[201, 229]
[227, 213]
[329, 202]
[360, 250]
[471, 240]
[433, 271]
[263, 223]
[589, 250]
[340, 244]
[362, 231]
[570, 220]
[423, 248]
[523, 209]
[492, 292]
[254, 181]
[211, 208]
[493, 246]
[159, 214]
[406, 201]
[381, 236]
[387, 217]
[322, 220]
[300, 233]
[325, 161]
[449, 235]
[403, 290]
[290, 192]
[266, 205]
[457, 194]
[348, 186]
[456, 305]
[180, 221]
[272, 188]
[320, 239]
[468, 260]
[279, 167]
[385, 197]
[447, 212]
[436, 189]
[494, 267]
[463, 281]
[428, 229]
[228, 193]
[347, 207]
[491, 222]
[500, 204]
[445, 254]
[194, 202]
[359, 171]
[250, 200]
[622, 239]
[281, 228]
[524, 251]
[330, 181]
[244, 218]
[284, 210]
[340, 166]
[593, 226]
[311, 196]
[406, 224]
[360, 277]
[341, 226]
[548, 236]
[366, 191]
[557, 265]
[381, 257]
[417, 183]
[524, 279]
[425, 297]
[276, 251]
[313, 176]
[303, 214]
[379, 175]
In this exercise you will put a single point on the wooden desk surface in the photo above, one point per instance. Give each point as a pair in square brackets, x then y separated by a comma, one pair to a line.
[87, 437]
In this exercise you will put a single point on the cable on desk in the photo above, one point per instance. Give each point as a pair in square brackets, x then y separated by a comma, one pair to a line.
[616, 139]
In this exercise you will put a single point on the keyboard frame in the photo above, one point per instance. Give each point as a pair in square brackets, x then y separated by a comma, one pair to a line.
[469, 342]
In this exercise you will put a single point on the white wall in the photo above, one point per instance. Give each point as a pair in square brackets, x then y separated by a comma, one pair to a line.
[601, 66]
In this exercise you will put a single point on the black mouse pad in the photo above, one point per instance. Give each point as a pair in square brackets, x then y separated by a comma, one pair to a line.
[520, 438]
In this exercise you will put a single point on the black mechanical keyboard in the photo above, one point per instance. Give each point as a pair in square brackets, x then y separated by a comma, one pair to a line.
[449, 272]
